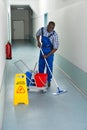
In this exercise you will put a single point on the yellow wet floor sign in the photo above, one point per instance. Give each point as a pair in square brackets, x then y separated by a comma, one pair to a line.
[20, 89]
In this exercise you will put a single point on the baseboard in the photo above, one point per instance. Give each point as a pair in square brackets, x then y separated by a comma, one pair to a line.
[78, 76]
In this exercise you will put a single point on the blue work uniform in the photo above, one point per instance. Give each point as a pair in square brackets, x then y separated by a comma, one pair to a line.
[46, 47]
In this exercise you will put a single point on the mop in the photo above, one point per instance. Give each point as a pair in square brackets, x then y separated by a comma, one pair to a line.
[59, 91]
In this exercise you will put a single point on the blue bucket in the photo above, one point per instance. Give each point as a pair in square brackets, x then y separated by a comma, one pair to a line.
[28, 77]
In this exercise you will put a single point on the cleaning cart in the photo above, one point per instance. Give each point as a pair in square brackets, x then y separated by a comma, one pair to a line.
[34, 79]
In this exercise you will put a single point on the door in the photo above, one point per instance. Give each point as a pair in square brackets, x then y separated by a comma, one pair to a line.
[18, 30]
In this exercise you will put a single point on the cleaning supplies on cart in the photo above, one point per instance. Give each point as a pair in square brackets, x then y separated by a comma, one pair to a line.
[34, 79]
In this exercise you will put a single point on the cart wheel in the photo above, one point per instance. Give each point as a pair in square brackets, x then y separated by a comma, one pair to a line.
[44, 91]
[28, 89]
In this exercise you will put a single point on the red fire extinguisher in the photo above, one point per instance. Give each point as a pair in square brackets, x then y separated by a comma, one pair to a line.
[8, 51]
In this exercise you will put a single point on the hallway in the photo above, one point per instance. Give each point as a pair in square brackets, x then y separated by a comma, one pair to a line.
[45, 111]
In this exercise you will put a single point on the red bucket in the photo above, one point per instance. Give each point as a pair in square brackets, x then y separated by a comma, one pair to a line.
[40, 79]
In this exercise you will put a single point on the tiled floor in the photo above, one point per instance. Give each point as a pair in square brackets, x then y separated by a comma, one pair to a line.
[45, 112]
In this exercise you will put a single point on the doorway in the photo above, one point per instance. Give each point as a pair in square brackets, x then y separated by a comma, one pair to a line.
[18, 30]
[21, 22]
[45, 19]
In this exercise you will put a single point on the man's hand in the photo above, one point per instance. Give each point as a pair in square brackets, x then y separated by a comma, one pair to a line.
[45, 56]
[52, 52]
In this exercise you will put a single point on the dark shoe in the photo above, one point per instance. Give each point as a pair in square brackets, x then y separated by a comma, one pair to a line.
[28, 89]
[49, 84]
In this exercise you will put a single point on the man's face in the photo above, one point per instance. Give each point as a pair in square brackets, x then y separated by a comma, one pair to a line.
[50, 27]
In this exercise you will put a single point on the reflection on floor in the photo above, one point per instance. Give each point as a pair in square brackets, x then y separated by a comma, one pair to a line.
[45, 111]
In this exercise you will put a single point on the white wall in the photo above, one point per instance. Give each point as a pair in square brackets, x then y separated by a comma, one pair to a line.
[3, 41]
[3, 36]
[72, 26]
[70, 17]
[51, 6]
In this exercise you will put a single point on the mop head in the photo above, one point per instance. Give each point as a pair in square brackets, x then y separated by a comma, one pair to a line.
[59, 92]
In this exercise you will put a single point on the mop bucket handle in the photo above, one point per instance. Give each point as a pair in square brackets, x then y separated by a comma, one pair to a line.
[15, 63]
[21, 61]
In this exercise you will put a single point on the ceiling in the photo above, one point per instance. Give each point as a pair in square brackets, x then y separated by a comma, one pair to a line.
[20, 7]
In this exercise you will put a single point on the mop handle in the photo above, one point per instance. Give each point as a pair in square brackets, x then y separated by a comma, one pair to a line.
[49, 69]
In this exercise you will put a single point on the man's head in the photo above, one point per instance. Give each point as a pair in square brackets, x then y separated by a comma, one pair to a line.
[50, 26]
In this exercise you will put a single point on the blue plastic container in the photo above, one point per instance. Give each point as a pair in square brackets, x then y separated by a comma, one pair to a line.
[28, 77]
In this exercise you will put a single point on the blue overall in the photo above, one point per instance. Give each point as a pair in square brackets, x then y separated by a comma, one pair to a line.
[46, 48]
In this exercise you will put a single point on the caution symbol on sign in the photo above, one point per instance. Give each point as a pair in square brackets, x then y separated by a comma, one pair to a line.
[20, 89]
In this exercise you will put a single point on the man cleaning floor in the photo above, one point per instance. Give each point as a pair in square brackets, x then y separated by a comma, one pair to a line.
[49, 45]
